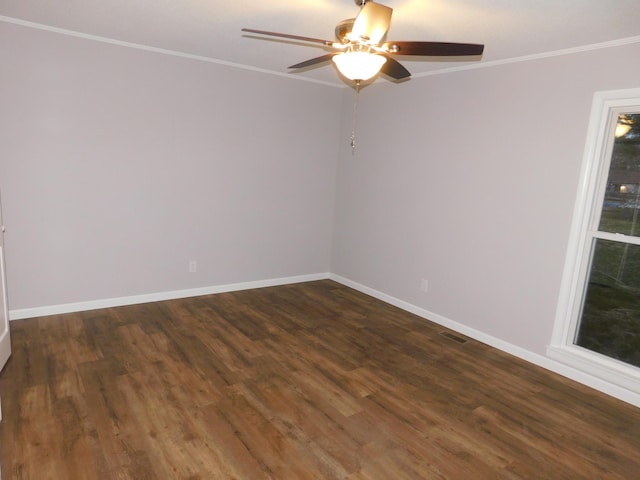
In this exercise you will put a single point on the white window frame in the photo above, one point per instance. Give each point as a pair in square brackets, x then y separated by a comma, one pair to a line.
[605, 109]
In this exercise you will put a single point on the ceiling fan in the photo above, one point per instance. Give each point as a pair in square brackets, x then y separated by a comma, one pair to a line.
[361, 52]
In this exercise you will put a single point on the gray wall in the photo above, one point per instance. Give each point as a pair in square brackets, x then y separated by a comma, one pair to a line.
[119, 166]
[468, 180]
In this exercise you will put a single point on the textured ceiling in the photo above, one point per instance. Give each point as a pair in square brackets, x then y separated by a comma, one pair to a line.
[509, 29]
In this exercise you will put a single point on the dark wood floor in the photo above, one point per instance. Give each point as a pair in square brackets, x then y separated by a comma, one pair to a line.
[307, 381]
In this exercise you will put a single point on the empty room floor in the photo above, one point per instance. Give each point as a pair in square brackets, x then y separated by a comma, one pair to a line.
[303, 381]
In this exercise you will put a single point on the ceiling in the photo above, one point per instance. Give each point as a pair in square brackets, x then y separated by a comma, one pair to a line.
[510, 29]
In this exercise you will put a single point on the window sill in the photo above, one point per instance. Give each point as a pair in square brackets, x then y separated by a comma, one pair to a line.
[599, 366]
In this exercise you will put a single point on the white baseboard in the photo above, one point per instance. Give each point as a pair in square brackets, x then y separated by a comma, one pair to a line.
[159, 296]
[531, 357]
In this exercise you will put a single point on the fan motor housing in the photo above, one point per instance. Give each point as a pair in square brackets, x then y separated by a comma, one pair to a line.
[343, 29]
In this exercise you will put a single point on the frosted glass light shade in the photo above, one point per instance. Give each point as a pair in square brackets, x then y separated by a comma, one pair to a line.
[359, 65]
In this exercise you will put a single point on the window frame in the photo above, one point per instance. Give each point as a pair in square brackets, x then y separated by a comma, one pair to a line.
[594, 174]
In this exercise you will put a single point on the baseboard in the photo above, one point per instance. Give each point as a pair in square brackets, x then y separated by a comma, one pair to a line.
[159, 296]
[531, 357]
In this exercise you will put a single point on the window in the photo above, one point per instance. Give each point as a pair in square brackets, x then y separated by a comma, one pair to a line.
[598, 321]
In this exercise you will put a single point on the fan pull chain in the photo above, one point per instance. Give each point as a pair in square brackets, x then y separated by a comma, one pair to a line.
[355, 118]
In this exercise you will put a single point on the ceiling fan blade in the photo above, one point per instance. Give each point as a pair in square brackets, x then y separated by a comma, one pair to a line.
[286, 35]
[394, 69]
[314, 61]
[372, 23]
[435, 49]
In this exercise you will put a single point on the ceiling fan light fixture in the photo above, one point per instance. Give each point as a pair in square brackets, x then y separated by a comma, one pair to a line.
[356, 65]
[362, 49]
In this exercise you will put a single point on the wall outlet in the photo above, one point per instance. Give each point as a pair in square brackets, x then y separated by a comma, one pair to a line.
[424, 285]
[193, 266]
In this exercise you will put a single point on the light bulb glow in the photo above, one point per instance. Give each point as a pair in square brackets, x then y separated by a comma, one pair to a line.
[359, 65]
[622, 129]
[624, 125]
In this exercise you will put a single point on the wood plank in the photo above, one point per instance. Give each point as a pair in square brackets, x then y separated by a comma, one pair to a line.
[305, 381]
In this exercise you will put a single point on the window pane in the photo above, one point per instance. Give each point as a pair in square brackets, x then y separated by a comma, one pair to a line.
[621, 208]
[610, 322]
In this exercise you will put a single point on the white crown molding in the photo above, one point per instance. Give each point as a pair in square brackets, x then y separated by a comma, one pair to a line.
[201, 58]
[162, 51]
[536, 56]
